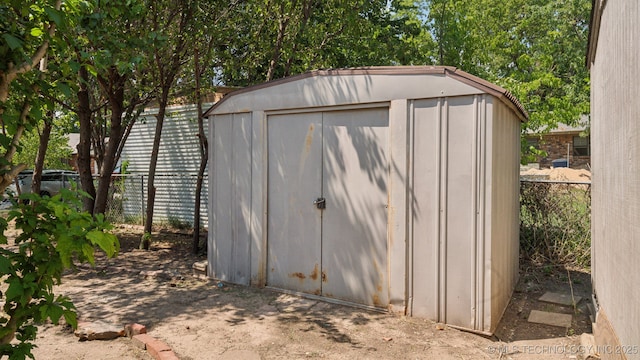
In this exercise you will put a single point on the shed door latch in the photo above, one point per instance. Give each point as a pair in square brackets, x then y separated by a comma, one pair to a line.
[320, 203]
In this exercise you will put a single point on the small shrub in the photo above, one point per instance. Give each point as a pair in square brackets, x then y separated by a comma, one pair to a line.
[145, 241]
[555, 223]
[178, 223]
[133, 219]
[55, 235]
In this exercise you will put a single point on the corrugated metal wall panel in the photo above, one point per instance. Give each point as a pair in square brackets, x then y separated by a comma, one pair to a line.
[399, 210]
[178, 163]
[230, 237]
[425, 210]
[459, 258]
[179, 152]
[453, 197]
[615, 154]
[504, 210]
[174, 203]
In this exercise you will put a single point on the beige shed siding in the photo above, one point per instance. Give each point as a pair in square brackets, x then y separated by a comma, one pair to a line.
[358, 86]
[339, 90]
[424, 213]
[231, 198]
[445, 181]
[258, 198]
[615, 129]
[459, 192]
[398, 207]
[505, 209]
[464, 209]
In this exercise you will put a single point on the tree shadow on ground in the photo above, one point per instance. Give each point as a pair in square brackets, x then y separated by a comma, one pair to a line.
[156, 288]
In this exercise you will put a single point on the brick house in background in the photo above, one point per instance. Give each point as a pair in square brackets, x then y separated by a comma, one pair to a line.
[73, 141]
[563, 140]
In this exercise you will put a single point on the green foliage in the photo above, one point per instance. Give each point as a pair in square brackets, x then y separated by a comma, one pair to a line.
[23, 24]
[535, 49]
[177, 223]
[58, 151]
[555, 225]
[109, 37]
[145, 241]
[268, 40]
[530, 153]
[54, 235]
[26, 92]
[419, 43]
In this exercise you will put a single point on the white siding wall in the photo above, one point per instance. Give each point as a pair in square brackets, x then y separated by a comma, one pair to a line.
[177, 167]
[615, 134]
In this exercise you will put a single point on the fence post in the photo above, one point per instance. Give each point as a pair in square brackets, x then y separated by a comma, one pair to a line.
[142, 198]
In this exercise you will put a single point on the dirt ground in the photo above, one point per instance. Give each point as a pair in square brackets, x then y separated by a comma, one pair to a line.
[199, 320]
[557, 174]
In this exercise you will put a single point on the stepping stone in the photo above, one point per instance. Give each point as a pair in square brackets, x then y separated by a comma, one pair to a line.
[560, 299]
[550, 318]
[200, 269]
[240, 354]
[98, 330]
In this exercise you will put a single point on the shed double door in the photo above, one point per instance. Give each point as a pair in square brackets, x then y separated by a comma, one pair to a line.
[327, 204]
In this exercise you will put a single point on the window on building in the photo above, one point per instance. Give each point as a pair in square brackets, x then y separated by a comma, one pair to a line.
[581, 146]
[533, 143]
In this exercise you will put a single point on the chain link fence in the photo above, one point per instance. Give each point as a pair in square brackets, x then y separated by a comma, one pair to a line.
[555, 216]
[555, 222]
[174, 199]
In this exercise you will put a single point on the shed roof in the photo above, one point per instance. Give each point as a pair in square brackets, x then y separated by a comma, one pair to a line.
[469, 82]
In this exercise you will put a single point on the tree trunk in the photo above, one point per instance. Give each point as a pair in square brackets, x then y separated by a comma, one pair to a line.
[84, 146]
[11, 172]
[204, 155]
[42, 151]
[116, 101]
[145, 243]
[441, 34]
[44, 140]
[282, 30]
[198, 200]
[167, 67]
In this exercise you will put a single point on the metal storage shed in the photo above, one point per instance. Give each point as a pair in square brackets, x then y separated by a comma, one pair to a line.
[393, 188]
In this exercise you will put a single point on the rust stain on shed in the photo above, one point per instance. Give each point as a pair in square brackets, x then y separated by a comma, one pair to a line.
[314, 274]
[307, 148]
[309, 139]
[298, 275]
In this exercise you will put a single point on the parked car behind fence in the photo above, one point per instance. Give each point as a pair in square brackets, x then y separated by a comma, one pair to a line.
[51, 184]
